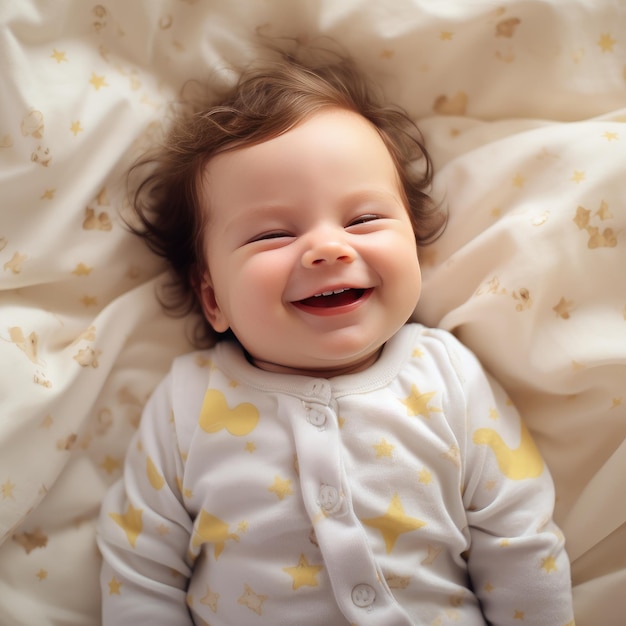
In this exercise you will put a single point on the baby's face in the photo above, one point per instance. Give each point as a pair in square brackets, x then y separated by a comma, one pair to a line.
[311, 255]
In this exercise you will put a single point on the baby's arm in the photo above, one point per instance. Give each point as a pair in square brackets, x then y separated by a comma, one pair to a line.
[144, 529]
[518, 565]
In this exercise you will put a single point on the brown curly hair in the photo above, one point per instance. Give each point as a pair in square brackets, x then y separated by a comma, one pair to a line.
[265, 102]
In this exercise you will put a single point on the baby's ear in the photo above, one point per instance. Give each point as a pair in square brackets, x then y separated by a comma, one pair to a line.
[203, 287]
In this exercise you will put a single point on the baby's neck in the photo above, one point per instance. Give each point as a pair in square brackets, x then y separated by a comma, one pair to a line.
[350, 368]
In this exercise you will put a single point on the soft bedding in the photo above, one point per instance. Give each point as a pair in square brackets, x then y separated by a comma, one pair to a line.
[523, 107]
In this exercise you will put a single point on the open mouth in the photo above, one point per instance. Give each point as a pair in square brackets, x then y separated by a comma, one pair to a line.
[334, 299]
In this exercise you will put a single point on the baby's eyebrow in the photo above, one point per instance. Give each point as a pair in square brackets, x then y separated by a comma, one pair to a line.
[284, 210]
[369, 195]
[264, 211]
[251, 215]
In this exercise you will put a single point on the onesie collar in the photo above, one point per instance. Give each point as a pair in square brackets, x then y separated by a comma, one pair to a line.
[395, 353]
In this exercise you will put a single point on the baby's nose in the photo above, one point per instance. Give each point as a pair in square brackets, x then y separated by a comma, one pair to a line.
[328, 252]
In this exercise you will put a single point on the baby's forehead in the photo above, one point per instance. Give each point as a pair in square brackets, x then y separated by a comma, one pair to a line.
[338, 135]
[321, 122]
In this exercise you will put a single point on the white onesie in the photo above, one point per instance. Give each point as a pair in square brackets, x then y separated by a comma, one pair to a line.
[407, 494]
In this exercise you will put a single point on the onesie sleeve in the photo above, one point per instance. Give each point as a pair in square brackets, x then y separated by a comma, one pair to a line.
[143, 530]
[517, 562]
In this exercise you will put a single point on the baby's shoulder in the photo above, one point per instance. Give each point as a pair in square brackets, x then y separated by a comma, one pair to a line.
[441, 351]
[190, 373]
[199, 360]
[433, 339]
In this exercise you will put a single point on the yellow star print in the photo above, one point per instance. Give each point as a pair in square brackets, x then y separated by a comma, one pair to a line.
[281, 487]
[518, 181]
[452, 454]
[606, 42]
[394, 523]
[211, 529]
[98, 81]
[304, 574]
[82, 270]
[76, 128]
[15, 263]
[383, 448]
[162, 529]
[210, 599]
[110, 465]
[549, 564]
[58, 56]
[563, 308]
[130, 522]
[254, 601]
[202, 361]
[114, 587]
[417, 403]
[87, 300]
[7, 489]
[425, 477]
[154, 477]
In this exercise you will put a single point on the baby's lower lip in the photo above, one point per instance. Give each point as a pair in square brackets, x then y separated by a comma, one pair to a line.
[343, 302]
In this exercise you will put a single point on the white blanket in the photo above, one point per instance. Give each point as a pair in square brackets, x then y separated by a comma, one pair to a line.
[522, 104]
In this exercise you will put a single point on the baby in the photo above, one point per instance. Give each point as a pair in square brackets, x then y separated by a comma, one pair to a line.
[326, 461]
